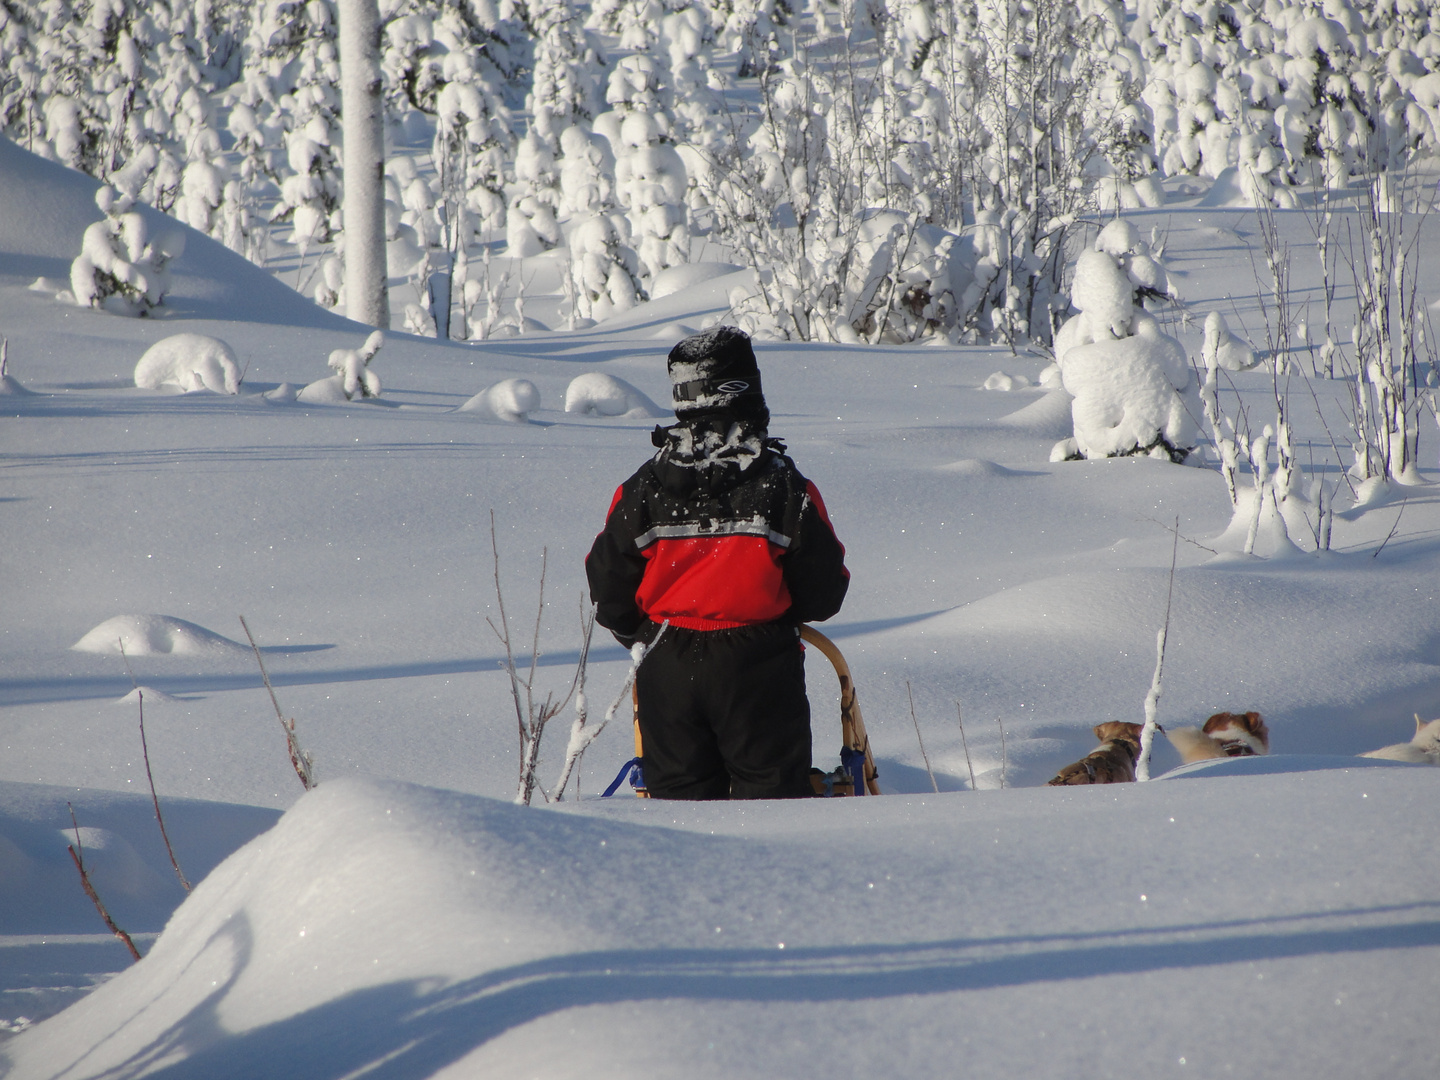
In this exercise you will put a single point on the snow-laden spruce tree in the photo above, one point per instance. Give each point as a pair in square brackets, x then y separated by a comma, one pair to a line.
[605, 269]
[568, 74]
[472, 143]
[124, 264]
[293, 78]
[1286, 91]
[650, 177]
[1133, 389]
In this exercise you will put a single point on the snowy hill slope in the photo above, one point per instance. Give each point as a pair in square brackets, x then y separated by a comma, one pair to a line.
[48, 206]
[1280, 925]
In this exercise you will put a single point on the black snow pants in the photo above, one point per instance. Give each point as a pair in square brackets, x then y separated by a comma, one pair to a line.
[723, 714]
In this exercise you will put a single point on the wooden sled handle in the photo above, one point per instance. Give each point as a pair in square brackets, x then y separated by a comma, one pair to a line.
[852, 724]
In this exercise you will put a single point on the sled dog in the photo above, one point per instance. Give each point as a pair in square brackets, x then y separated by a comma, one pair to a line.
[1423, 749]
[1224, 735]
[1112, 762]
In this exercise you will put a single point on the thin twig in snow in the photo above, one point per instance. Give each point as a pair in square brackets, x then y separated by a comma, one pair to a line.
[924, 756]
[303, 763]
[965, 745]
[145, 752]
[1004, 757]
[77, 856]
[1176, 531]
[1392, 528]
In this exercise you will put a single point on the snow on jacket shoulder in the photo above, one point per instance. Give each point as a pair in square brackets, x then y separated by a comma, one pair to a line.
[739, 545]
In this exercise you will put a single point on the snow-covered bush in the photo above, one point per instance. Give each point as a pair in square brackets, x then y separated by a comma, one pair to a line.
[191, 362]
[1133, 389]
[510, 400]
[352, 366]
[598, 394]
[123, 266]
[1223, 349]
[352, 375]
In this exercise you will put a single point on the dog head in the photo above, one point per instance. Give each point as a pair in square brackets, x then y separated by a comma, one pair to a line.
[1119, 731]
[1427, 735]
[1239, 734]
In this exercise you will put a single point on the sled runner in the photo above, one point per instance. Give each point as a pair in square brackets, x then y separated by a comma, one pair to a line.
[856, 774]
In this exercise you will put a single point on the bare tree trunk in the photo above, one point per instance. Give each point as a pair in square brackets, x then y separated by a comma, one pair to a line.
[362, 112]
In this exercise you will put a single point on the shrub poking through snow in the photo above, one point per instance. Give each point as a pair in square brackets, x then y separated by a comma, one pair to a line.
[122, 267]
[1132, 385]
[191, 362]
[352, 367]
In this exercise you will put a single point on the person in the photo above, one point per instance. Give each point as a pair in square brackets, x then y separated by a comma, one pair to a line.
[720, 536]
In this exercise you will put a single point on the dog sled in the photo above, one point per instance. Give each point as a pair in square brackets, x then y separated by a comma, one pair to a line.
[855, 775]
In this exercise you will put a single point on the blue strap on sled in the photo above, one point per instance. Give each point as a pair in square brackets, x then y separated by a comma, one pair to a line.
[631, 769]
[853, 762]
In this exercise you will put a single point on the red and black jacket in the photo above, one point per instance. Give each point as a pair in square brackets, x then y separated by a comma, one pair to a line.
[733, 542]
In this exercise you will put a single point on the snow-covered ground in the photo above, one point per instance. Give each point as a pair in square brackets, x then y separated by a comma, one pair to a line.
[1269, 918]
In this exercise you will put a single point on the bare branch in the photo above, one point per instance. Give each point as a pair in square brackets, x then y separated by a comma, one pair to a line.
[924, 756]
[966, 745]
[1389, 535]
[78, 858]
[304, 765]
[145, 752]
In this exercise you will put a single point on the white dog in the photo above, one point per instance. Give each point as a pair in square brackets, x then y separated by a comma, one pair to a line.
[1423, 749]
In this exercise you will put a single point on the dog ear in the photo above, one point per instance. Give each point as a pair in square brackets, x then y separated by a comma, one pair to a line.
[1100, 732]
[1253, 723]
[1418, 723]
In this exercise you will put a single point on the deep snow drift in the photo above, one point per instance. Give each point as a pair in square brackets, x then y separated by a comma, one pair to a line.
[1242, 924]
[354, 537]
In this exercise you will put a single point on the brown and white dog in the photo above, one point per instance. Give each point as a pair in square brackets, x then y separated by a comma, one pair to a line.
[1423, 749]
[1224, 735]
[1112, 762]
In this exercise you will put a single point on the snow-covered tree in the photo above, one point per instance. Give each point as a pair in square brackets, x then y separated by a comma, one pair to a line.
[123, 265]
[1133, 389]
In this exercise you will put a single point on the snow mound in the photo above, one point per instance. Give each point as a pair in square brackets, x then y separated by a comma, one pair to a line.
[1227, 190]
[1001, 381]
[151, 695]
[347, 898]
[672, 331]
[329, 391]
[510, 400]
[977, 467]
[673, 279]
[1048, 417]
[677, 278]
[155, 635]
[191, 362]
[391, 930]
[598, 394]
